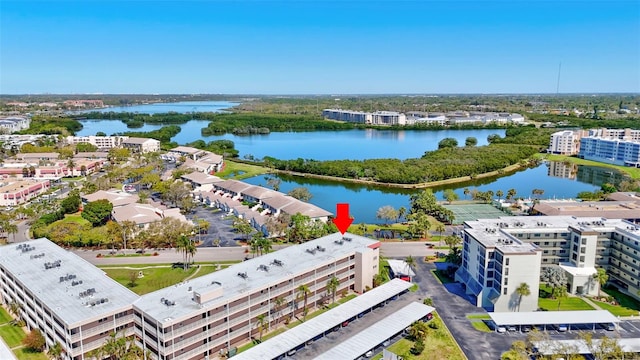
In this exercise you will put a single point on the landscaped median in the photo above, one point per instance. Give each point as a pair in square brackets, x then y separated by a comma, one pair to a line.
[437, 340]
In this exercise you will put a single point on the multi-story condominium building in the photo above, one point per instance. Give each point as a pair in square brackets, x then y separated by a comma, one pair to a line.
[566, 142]
[84, 103]
[198, 318]
[388, 118]
[101, 142]
[494, 264]
[17, 192]
[142, 145]
[72, 302]
[75, 304]
[611, 150]
[11, 124]
[578, 245]
[347, 115]
[620, 134]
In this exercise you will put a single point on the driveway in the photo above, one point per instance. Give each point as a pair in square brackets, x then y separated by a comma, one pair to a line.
[453, 309]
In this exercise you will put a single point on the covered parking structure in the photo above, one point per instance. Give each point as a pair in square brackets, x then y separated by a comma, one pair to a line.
[295, 339]
[578, 346]
[554, 318]
[374, 336]
[400, 269]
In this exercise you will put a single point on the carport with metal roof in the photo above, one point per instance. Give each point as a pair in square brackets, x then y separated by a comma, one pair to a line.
[314, 328]
[555, 347]
[533, 318]
[375, 335]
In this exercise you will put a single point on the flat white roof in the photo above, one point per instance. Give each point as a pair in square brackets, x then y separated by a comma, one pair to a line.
[57, 290]
[281, 265]
[551, 347]
[5, 351]
[306, 331]
[400, 267]
[359, 344]
[553, 317]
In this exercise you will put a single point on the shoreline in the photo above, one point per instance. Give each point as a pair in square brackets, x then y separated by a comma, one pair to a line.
[504, 171]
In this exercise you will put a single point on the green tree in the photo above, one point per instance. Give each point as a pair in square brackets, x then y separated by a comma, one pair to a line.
[303, 293]
[242, 226]
[402, 211]
[261, 323]
[387, 213]
[522, 290]
[511, 193]
[418, 330]
[332, 286]
[608, 188]
[450, 195]
[97, 212]
[555, 278]
[471, 141]
[301, 193]
[499, 194]
[55, 352]
[601, 277]
[447, 143]
[71, 204]
[452, 241]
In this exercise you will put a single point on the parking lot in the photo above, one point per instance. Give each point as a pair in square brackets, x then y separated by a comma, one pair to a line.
[220, 227]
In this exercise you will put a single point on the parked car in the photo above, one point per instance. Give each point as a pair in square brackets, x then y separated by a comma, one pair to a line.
[369, 354]
[512, 328]
[501, 329]
[562, 328]
[525, 328]
[609, 326]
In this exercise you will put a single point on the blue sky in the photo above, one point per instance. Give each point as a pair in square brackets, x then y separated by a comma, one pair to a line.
[319, 47]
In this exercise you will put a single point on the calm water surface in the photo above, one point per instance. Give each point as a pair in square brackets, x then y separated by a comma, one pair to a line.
[366, 200]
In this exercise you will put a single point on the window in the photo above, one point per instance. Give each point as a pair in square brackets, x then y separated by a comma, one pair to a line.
[506, 261]
[504, 292]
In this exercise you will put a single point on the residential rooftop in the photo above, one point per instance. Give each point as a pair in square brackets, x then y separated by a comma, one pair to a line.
[75, 290]
[260, 272]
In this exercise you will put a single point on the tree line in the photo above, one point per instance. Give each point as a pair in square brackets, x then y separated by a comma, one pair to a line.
[445, 163]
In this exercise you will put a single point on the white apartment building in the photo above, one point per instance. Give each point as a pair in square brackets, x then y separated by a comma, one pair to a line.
[77, 305]
[579, 245]
[11, 124]
[347, 115]
[198, 318]
[388, 118]
[72, 302]
[566, 142]
[101, 142]
[142, 145]
[611, 150]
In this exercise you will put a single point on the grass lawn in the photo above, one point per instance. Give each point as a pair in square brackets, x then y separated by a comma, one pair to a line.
[4, 316]
[239, 171]
[622, 299]
[617, 310]
[442, 278]
[155, 278]
[480, 326]
[12, 335]
[438, 345]
[566, 304]
[478, 317]
[23, 354]
[633, 172]
[74, 218]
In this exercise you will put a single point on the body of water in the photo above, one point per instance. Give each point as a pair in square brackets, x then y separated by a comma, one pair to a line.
[318, 145]
[182, 107]
[366, 200]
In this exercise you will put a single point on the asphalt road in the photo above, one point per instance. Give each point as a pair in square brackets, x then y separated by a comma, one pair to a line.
[213, 254]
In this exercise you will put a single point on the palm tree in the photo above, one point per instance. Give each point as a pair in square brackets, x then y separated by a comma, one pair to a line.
[466, 192]
[303, 292]
[279, 301]
[71, 165]
[265, 245]
[601, 277]
[522, 290]
[410, 261]
[55, 351]
[14, 309]
[418, 330]
[261, 323]
[402, 211]
[332, 287]
[499, 194]
[182, 244]
[441, 229]
[511, 193]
